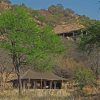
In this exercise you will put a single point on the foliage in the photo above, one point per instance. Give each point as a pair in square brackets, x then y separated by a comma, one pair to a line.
[92, 39]
[24, 37]
[46, 47]
[90, 44]
[37, 15]
[26, 42]
[84, 77]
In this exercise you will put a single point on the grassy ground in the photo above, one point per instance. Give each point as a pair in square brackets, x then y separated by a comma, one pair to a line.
[25, 97]
[43, 95]
[35, 95]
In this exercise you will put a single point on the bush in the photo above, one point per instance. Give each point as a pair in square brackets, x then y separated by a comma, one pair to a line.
[84, 77]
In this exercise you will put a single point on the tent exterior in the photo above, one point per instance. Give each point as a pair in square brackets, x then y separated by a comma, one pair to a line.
[39, 80]
[69, 30]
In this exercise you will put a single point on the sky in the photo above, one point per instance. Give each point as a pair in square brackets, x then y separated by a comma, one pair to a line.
[89, 8]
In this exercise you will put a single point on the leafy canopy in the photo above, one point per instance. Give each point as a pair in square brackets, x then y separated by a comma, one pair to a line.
[92, 39]
[39, 45]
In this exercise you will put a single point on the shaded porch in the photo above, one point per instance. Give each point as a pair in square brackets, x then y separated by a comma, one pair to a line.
[38, 84]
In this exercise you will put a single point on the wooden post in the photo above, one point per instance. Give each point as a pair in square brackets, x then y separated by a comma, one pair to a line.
[73, 34]
[81, 33]
[51, 84]
[24, 86]
[44, 84]
[34, 84]
[29, 83]
[55, 84]
[41, 83]
[62, 84]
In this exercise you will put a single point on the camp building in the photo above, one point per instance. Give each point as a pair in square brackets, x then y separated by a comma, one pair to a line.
[39, 80]
[69, 31]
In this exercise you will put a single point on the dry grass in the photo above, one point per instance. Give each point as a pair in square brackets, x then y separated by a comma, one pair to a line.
[42, 95]
[35, 95]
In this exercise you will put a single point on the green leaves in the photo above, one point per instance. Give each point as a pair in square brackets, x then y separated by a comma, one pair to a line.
[84, 77]
[92, 39]
[24, 37]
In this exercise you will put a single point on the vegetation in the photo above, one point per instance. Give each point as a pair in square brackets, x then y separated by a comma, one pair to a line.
[92, 39]
[90, 44]
[27, 36]
[24, 38]
[53, 14]
[85, 77]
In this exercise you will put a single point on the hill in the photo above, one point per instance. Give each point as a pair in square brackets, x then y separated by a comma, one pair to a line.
[55, 14]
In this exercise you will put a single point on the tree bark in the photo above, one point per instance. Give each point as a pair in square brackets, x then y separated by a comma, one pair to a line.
[19, 85]
[17, 68]
[17, 64]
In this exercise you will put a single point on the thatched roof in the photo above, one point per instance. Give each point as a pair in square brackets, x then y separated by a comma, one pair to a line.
[30, 74]
[67, 28]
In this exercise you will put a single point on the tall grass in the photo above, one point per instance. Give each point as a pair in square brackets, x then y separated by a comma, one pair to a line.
[44, 95]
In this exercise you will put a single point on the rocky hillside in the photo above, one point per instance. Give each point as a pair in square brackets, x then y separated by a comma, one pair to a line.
[55, 14]
[4, 6]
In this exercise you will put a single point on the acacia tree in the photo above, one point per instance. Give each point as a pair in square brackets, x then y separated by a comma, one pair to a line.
[26, 42]
[90, 43]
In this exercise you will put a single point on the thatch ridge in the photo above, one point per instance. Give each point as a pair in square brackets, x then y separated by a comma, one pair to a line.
[67, 28]
[36, 75]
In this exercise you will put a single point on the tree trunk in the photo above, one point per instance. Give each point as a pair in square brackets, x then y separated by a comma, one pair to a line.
[17, 65]
[19, 80]
[19, 85]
